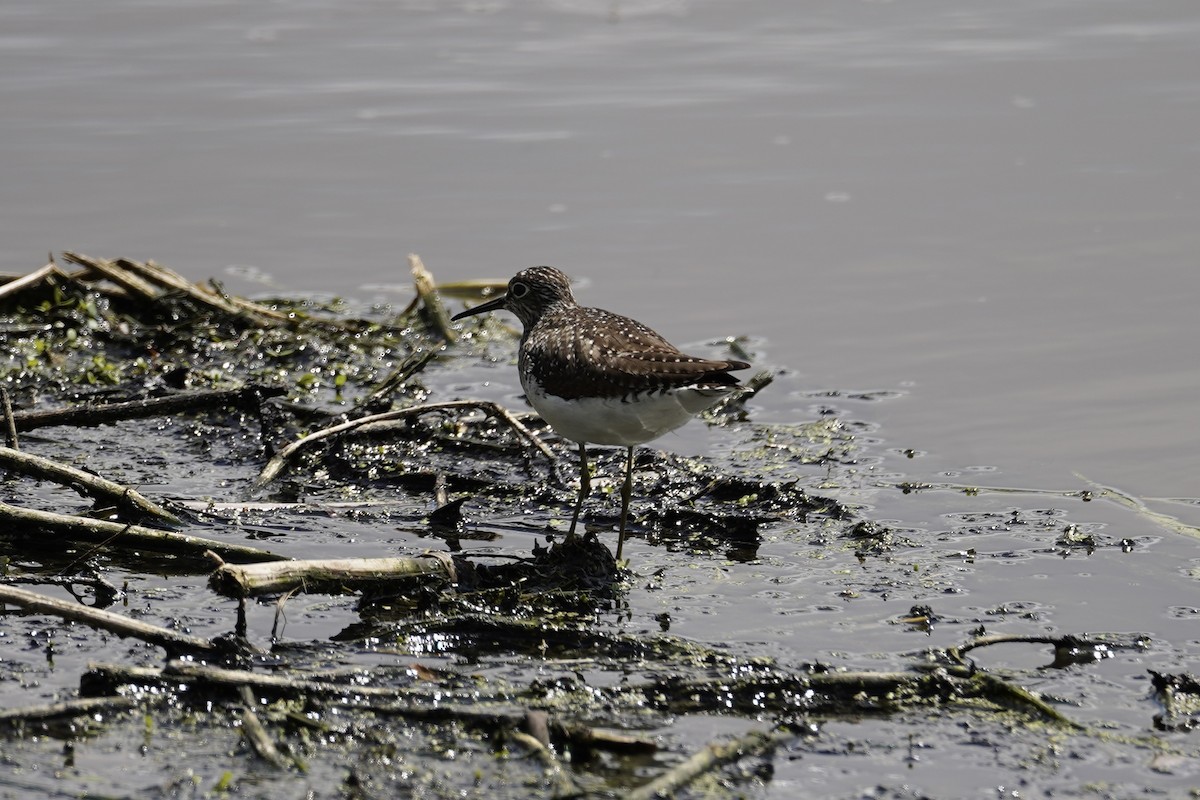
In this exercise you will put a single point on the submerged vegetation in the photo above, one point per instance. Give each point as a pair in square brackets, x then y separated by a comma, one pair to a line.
[462, 665]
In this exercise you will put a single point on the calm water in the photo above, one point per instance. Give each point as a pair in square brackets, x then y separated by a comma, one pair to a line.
[989, 209]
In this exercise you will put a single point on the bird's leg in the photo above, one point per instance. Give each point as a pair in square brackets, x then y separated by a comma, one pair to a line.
[585, 488]
[626, 493]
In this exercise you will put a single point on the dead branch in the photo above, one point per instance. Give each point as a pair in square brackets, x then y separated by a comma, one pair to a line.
[998, 689]
[118, 275]
[587, 737]
[432, 308]
[1066, 647]
[26, 521]
[563, 785]
[332, 576]
[492, 409]
[711, 757]
[171, 641]
[104, 594]
[87, 484]
[87, 706]
[32, 279]
[411, 366]
[10, 425]
[251, 313]
[376, 423]
[256, 734]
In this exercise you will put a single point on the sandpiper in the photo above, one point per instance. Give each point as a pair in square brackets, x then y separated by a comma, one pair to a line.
[600, 378]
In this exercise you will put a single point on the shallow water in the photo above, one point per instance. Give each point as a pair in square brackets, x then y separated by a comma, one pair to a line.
[987, 213]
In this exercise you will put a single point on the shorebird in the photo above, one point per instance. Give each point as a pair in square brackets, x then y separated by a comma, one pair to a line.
[601, 378]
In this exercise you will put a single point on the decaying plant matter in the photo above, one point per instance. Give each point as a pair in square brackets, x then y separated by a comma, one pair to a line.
[321, 414]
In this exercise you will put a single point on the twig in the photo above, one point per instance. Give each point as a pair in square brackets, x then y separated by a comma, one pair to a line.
[600, 739]
[104, 593]
[411, 366]
[86, 483]
[252, 313]
[289, 454]
[172, 641]
[1002, 688]
[10, 425]
[563, 784]
[21, 521]
[488, 407]
[958, 652]
[1134, 504]
[256, 734]
[712, 756]
[328, 575]
[32, 279]
[248, 397]
[434, 312]
[118, 275]
[68, 708]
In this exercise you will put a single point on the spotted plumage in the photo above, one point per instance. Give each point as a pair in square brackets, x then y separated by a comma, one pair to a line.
[602, 378]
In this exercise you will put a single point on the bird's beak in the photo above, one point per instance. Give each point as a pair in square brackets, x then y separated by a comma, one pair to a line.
[490, 305]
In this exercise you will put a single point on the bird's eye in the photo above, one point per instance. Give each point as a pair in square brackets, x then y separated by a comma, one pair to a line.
[518, 290]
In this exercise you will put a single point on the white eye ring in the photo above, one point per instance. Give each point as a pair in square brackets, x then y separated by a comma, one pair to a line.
[519, 290]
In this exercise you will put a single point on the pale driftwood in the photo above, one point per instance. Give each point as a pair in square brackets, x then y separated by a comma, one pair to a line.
[256, 734]
[435, 312]
[85, 483]
[601, 739]
[288, 455]
[10, 425]
[712, 756]
[172, 641]
[331, 576]
[68, 708]
[118, 275]
[20, 521]
[98, 414]
[32, 279]
[561, 782]
[253, 313]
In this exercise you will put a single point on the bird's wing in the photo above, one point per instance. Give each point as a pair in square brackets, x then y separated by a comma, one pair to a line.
[615, 354]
